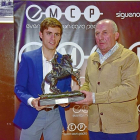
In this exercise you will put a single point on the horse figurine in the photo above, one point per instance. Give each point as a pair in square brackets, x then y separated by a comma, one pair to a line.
[59, 71]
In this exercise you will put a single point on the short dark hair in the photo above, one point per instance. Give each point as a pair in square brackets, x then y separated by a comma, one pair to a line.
[50, 22]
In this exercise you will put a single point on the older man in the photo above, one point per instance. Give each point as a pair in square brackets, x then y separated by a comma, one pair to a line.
[111, 87]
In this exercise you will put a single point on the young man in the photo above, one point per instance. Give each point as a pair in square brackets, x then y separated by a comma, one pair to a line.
[111, 87]
[32, 118]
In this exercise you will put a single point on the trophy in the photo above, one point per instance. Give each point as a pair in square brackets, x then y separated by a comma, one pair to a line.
[60, 71]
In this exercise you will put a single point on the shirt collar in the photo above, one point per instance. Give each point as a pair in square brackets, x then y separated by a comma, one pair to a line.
[110, 52]
[44, 59]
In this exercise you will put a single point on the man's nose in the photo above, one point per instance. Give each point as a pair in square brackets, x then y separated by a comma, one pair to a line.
[53, 36]
[100, 36]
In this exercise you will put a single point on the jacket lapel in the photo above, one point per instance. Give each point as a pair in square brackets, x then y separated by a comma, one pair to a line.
[115, 55]
[59, 61]
[59, 57]
[39, 65]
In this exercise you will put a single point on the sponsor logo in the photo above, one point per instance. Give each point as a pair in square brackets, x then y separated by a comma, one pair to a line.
[138, 107]
[26, 47]
[80, 127]
[72, 13]
[127, 15]
[135, 45]
[78, 109]
[75, 49]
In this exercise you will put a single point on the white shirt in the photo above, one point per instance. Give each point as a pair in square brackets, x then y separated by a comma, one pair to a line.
[108, 54]
[47, 67]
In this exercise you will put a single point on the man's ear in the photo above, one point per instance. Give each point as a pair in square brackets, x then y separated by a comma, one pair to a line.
[40, 35]
[116, 35]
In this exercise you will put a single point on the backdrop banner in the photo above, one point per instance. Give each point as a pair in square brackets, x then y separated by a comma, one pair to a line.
[78, 20]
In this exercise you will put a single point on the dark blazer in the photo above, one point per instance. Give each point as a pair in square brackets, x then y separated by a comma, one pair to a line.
[28, 84]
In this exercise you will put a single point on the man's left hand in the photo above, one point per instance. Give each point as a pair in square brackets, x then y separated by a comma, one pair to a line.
[88, 100]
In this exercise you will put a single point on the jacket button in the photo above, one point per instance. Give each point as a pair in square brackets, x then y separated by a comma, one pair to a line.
[101, 113]
[98, 83]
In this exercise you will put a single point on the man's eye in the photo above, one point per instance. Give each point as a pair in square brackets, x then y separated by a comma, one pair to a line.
[97, 34]
[105, 32]
[48, 33]
[57, 34]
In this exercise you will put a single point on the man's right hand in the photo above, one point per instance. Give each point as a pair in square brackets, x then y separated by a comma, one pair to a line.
[35, 104]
